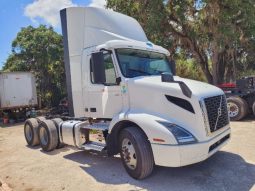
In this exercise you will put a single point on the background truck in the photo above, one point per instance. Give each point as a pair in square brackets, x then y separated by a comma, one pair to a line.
[240, 97]
[17, 90]
[124, 97]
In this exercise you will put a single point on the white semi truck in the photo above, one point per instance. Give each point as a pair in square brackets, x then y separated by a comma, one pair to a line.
[125, 98]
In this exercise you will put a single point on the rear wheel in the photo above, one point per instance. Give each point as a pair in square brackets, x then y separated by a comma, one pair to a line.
[57, 121]
[31, 131]
[136, 153]
[48, 135]
[40, 119]
[253, 108]
[237, 108]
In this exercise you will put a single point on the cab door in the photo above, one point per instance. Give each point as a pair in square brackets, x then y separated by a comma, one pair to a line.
[105, 100]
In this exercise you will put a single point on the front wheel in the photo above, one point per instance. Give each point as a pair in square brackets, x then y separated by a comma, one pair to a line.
[136, 153]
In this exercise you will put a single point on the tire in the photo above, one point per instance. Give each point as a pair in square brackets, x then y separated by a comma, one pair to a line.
[253, 108]
[48, 135]
[141, 153]
[40, 119]
[31, 132]
[237, 108]
[57, 121]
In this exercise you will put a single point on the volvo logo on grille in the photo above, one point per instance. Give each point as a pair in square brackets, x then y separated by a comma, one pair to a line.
[219, 114]
[219, 111]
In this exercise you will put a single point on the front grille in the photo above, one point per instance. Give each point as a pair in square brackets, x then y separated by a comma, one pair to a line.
[217, 112]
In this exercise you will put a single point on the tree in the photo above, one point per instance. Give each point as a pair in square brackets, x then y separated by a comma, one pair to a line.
[40, 51]
[218, 34]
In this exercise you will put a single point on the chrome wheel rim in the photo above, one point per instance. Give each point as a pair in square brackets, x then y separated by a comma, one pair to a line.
[233, 109]
[43, 136]
[28, 132]
[128, 153]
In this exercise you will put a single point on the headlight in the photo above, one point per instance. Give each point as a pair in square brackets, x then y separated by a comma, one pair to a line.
[181, 135]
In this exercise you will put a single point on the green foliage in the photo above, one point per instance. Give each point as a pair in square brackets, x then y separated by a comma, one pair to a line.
[218, 35]
[187, 68]
[40, 51]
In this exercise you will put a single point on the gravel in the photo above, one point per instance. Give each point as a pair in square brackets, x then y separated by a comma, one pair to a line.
[31, 169]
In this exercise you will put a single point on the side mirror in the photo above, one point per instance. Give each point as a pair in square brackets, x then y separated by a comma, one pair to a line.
[173, 67]
[98, 67]
[167, 77]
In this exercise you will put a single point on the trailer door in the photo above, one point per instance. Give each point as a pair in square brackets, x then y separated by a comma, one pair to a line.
[17, 89]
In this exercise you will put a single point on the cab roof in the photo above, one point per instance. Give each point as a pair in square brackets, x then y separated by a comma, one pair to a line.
[133, 44]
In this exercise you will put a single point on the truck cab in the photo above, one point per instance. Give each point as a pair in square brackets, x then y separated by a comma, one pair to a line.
[129, 86]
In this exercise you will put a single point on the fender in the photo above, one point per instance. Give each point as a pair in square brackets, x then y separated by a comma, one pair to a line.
[147, 122]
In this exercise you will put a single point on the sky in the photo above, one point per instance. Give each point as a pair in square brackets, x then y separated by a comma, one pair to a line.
[15, 14]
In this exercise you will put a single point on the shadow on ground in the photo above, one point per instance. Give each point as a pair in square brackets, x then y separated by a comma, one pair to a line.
[57, 151]
[223, 171]
[54, 152]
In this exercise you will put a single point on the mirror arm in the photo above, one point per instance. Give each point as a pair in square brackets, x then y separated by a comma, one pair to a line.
[118, 80]
[168, 77]
[185, 89]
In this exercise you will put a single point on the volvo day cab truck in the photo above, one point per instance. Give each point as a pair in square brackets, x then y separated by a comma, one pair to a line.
[123, 87]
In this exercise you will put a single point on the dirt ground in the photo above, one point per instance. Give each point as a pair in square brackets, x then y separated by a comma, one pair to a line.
[31, 169]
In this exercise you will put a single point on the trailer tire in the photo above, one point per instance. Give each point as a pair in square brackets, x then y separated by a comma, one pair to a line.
[48, 135]
[136, 153]
[31, 132]
[237, 108]
[57, 121]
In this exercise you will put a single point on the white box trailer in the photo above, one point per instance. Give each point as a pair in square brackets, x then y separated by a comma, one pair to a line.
[17, 90]
[123, 87]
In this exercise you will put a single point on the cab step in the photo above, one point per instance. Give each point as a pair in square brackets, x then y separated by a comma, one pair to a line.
[94, 146]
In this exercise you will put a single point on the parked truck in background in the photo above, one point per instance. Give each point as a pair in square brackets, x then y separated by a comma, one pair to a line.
[17, 90]
[240, 97]
[123, 87]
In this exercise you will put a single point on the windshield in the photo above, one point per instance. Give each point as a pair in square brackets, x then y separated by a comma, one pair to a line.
[135, 62]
